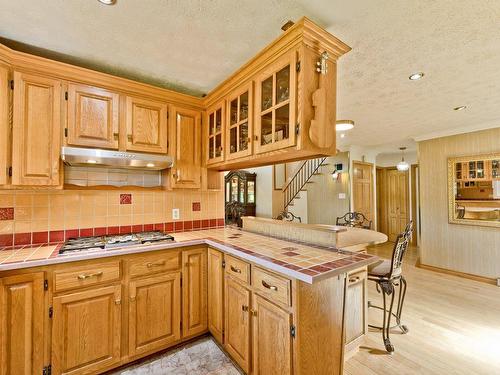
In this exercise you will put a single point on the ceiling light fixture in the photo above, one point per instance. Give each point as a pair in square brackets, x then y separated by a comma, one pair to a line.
[92, 161]
[343, 125]
[403, 165]
[460, 108]
[416, 76]
[107, 2]
[150, 165]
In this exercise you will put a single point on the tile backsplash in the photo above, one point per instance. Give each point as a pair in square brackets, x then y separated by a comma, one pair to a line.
[52, 216]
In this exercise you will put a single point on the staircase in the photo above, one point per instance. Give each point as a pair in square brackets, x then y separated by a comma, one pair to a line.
[299, 181]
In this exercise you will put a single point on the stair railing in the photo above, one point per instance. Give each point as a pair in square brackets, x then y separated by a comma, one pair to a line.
[308, 169]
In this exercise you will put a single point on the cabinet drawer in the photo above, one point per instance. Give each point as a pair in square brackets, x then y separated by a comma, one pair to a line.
[356, 277]
[83, 276]
[155, 263]
[238, 269]
[272, 286]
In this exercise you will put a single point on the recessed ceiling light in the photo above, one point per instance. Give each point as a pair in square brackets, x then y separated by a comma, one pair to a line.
[150, 165]
[91, 161]
[460, 108]
[342, 125]
[107, 2]
[416, 76]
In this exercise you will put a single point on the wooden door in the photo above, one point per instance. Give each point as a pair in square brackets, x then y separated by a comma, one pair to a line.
[216, 294]
[146, 125]
[397, 202]
[194, 291]
[214, 128]
[272, 341]
[239, 129]
[186, 133]
[362, 188]
[275, 105]
[237, 323]
[22, 316]
[86, 331]
[36, 139]
[93, 116]
[5, 135]
[154, 313]
[356, 305]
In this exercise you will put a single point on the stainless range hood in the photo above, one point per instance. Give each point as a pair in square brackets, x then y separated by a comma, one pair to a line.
[116, 159]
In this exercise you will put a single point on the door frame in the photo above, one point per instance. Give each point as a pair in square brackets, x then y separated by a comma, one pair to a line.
[372, 185]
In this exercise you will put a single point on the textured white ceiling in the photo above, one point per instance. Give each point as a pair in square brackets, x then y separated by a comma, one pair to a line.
[192, 45]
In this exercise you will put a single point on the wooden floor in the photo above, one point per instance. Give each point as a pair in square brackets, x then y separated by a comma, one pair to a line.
[454, 327]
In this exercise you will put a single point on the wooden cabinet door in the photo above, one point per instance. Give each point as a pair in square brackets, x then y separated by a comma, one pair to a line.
[216, 294]
[5, 136]
[146, 125]
[237, 323]
[239, 129]
[22, 316]
[272, 342]
[36, 139]
[194, 291]
[356, 305]
[213, 133]
[93, 116]
[154, 313]
[186, 133]
[398, 202]
[86, 331]
[362, 188]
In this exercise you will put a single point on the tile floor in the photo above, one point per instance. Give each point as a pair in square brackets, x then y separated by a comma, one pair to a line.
[202, 357]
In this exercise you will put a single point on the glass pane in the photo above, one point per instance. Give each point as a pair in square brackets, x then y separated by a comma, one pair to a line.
[233, 141]
[234, 189]
[283, 84]
[228, 188]
[218, 120]
[472, 169]
[267, 94]
[210, 147]
[250, 192]
[233, 112]
[242, 191]
[480, 169]
[495, 168]
[244, 106]
[218, 145]
[244, 136]
[211, 124]
[282, 124]
[266, 132]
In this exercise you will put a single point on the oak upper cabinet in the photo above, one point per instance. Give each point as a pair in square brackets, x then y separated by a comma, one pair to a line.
[22, 316]
[154, 313]
[216, 294]
[239, 129]
[186, 141]
[356, 304]
[36, 133]
[194, 291]
[146, 125]
[276, 105]
[237, 322]
[272, 342]
[93, 117]
[86, 330]
[214, 133]
[5, 135]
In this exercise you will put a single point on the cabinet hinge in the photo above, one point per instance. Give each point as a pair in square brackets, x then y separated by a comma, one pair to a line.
[292, 331]
[51, 312]
[168, 114]
[297, 129]
[66, 132]
[297, 66]
[223, 264]
[12, 84]
[45, 284]
[9, 171]
[66, 95]
[47, 370]
[181, 281]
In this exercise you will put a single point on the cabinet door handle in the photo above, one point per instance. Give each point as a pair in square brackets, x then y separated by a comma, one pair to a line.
[269, 286]
[115, 136]
[353, 279]
[158, 264]
[88, 276]
[244, 308]
[118, 302]
[253, 312]
[236, 270]
[132, 298]
[129, 137]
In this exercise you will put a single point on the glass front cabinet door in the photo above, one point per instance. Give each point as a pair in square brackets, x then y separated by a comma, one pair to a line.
[275, 105]
[239, 122]
[214, 134]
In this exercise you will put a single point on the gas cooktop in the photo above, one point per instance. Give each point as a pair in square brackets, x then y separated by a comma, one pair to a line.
[89, 244]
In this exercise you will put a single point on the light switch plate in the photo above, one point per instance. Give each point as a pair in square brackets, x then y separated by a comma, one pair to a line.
[176, 214]
[341, 195]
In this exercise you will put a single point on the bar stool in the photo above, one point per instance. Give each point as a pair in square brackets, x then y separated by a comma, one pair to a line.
[387, 275]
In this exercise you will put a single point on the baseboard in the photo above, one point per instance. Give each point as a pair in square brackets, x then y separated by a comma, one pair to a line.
[469, 276]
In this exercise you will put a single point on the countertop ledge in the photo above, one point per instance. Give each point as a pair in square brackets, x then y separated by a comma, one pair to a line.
[306, 262]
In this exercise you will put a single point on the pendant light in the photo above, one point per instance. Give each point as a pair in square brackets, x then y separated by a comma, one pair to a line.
[403, 165]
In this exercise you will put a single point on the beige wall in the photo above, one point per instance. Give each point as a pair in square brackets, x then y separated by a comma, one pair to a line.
[463, 248]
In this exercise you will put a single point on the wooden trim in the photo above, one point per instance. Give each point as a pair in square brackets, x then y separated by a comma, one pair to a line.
[482, 279]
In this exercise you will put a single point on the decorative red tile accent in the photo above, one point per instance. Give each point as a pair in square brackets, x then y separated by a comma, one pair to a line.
[40, 237]
[320, 268]
[100, 231]
[292, 267]
[6, 213]
[308, 272]
[196, 206]
[113, 230]
[169, 227]
[125, 198]
[6, 239]
[220, 222]
[178, 226]
[160, 226]
[137, 228]
[290, 253]
[196, 224]
[87, 232]
[188, 225]
[205, 223]
[125, 229]
[56, 236]
[148, 227]
[22, 239]
[213, 223]
[71, 233]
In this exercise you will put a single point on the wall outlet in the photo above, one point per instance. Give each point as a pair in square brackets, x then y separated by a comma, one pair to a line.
[176, 215]
[341, 195]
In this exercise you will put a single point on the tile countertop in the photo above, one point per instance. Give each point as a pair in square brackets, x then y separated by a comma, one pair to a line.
[305, 262]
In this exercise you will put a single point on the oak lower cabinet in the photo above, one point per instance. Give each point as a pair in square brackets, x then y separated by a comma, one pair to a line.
[216, 294]
[86, 331]
[154, 313]
[356, 305]
[22, 316]
[271, 339]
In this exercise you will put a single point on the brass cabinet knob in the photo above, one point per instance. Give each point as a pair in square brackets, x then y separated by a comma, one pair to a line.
[253, 312]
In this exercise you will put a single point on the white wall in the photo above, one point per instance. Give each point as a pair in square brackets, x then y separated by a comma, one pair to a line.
[263, 191]
[392, 159]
